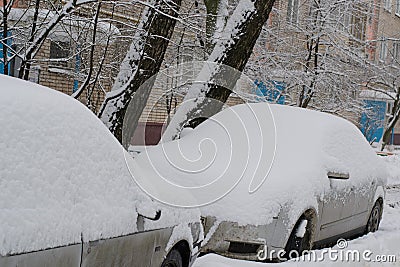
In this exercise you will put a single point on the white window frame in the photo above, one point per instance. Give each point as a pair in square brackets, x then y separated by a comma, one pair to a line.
[387, 5]
[383, 50]
[293, 11]
[396, 52]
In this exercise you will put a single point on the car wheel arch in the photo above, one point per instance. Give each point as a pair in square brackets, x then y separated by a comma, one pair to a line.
[378, 197]
[379, 194]
[311, 215]
[183, 248]
[374, 225]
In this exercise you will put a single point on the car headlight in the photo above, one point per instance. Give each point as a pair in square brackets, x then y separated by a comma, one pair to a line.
[196, 230]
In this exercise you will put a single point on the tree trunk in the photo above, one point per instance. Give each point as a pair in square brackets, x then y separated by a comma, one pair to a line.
[5, 37]
[141, 63]
[78, 93]
[312, 60]
[395, 116]
[211, 21]
[233, 49]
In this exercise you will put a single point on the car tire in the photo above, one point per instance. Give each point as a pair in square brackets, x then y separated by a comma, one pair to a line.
[173, 259]
[374, 218]
[295, 245]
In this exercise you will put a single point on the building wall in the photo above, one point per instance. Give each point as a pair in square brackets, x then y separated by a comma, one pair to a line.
[186, 46]
[57, 80]
[388, 30]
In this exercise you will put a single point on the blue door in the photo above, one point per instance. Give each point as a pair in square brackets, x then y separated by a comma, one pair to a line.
[271, 90]
[9, 43]
[373, 119]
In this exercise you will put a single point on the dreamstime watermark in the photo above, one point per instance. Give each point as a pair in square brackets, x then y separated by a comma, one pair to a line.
[228, 150]
[339, 253]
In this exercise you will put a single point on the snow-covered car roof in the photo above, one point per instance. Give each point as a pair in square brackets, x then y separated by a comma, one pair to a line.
[63, 175]
[247, 161]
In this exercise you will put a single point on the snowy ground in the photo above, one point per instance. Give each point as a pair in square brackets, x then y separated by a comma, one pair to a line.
[374, 248]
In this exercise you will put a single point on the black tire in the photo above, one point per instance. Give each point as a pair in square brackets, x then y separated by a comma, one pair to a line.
[173, 259]
[295, 245]
[374, 218]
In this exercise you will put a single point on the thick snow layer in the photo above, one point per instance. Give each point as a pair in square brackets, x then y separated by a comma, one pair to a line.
[225, 162]
[60, 32]
[393, 166]
[302, 229]
[377, 95]
[63, 175]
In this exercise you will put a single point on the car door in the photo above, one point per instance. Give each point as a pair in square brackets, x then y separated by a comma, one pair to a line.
[65, 256]
[338, 206]
[140, 249]
[131, 250]
[346, 208]
[363, 196]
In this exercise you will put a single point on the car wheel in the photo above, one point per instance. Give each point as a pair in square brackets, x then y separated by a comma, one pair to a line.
[173, 259]
[299, 239]
[374, 218]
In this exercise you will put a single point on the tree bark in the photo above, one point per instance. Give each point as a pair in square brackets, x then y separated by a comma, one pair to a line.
[5, 37]
[395, 116]
[312, 61]
[159, 25]
[211, 20]
[78, 93]
[232, 50]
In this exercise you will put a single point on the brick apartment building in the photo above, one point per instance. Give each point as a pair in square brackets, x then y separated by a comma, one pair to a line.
[51, 69]
[385, 38]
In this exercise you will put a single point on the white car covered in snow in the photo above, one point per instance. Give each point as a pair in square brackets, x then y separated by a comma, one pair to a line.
[271, 180]
[67, 196]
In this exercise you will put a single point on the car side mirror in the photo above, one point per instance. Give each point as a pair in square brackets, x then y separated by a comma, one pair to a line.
[338, 175]
[141, 218]
[149, 212]
[156, 217]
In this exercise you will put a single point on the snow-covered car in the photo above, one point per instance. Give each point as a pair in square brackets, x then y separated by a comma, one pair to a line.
[67, 196]
[277, 179]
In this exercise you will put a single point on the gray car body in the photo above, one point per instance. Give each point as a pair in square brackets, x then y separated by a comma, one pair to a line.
[321, 169]
[337, 218]
[146, 248]
[341, 209]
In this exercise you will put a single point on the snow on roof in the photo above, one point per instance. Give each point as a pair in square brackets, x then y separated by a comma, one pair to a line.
[228, 157]
[372, 94]
[74, 25]
[63, 175]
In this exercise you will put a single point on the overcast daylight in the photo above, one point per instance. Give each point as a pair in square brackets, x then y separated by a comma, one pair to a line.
[199, 133]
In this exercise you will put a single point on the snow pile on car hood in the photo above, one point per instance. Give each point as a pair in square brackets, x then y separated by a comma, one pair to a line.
[248, 161]
[63, 175]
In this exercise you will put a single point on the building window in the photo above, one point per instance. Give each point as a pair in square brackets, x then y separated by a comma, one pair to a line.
[387, 4]
[59, 53]
[383, 50]
[358, 22]
[293, 11]
[398, 7]
[396, 52]
[346, 21]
